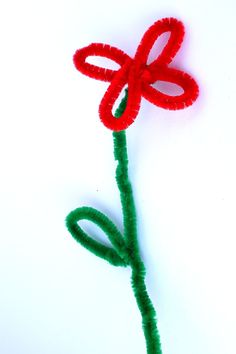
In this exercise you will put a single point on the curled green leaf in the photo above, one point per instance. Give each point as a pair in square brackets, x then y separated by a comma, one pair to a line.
[117, 255]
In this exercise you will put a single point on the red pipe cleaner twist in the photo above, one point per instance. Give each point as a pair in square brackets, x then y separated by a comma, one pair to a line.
[139, 75]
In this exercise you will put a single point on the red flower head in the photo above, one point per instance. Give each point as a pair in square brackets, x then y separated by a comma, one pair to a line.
[138, 75]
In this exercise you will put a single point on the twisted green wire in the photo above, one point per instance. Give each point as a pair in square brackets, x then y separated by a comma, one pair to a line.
[125, 250]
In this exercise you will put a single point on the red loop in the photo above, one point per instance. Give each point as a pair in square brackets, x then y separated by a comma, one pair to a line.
[113, 92]
[138, 75]
[176, 29]
[180, 78]
[101, 50]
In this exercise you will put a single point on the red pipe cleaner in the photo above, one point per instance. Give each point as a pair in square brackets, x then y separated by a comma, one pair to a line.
[138, 75]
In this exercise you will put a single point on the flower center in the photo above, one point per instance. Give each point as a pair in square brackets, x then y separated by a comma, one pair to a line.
[145, 75]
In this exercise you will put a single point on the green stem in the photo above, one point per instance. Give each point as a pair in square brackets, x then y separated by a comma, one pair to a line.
[148, 313]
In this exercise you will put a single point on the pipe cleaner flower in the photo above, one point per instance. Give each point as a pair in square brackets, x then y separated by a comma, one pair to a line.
[138, 75]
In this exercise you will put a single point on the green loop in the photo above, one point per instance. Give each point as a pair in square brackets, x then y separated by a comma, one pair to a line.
[117, 255]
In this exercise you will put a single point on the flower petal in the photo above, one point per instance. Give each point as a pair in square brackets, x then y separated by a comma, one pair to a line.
[126, 73]
[176, 29]
[180, 78]
[102, 50]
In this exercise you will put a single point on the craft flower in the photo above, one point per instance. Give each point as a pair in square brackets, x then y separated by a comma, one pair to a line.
[138, 75]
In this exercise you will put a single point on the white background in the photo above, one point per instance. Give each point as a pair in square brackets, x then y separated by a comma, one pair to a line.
[55, 296]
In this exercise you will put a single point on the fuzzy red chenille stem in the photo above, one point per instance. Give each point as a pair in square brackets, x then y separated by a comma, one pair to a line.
[138, 75]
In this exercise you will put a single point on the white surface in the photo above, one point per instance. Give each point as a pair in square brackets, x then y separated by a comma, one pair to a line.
[55, 156]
